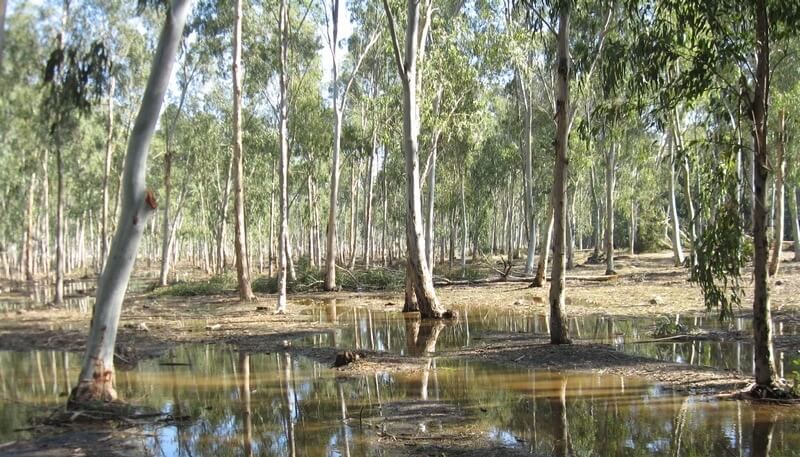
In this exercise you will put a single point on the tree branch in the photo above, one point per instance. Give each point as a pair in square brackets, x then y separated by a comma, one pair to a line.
[395, 44]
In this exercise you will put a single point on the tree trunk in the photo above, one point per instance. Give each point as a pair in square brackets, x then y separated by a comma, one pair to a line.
[368, 203]
[558, 323]
[330, 246]
[60, 260]
[415, 242]
[96, 379]
[463, 226]
[793, 197]
[677, 249]
[240, 238]
[107, 170]
[777, 239]
[596, 219]
[223, 213]
[544, 248]
[353, 214]
[283, 164]
[611, 163]
[28, 246]
[46, 205]
[430, 231]
[763, 358]
[571, 230]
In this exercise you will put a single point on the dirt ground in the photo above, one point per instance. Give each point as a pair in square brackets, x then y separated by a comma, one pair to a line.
[646, 286]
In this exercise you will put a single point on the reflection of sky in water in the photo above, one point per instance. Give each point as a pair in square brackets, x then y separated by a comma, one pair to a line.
[299, 406]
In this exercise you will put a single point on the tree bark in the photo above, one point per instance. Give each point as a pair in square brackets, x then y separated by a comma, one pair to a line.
[96, 379]
[777, 240]
[793, 197]
[611, 163]
[596, 219]
[415, 242]
[240, 238]
[558, 324]
[544, 248]
[463, 226]
[107, 170]
[677, 249]
[60, 260]
[283, 164]
[28, 242]
[368, 202]
[763, 355]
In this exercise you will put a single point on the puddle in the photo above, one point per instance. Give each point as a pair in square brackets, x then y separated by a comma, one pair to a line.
[363, 328]
[276, 404]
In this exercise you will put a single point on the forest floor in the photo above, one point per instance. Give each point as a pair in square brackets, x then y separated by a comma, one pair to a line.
[647, 286]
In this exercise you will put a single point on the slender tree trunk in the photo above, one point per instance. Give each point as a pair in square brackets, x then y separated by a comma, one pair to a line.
[107, 170]
[596, 219]
[28, 247]
[611, 163]
[558, 322]
[240, 238]
[223, 217]
[677, 249]
[793, 197]
[430, 228]
[46, 205]
[96, 379]
[353, 214]
[779, 197]
[463, 226]
[763, 356]
[544, 248]
[165, 239]
[58, 300]
[283, 164]
[330, 246]
[571, 230]
[368, 203]
[415, 242]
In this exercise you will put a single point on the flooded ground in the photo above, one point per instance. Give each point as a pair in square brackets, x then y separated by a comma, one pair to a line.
[236, 379]
[276, 404]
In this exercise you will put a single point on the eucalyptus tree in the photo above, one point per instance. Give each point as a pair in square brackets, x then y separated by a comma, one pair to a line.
[242, 262]
[723, 41]
[96, 379]
[421, 288]
[339, 107]
[592, 42]
[3, 7]
[283, 160]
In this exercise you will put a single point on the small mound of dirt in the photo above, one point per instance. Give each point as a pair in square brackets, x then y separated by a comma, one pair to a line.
[346, 358]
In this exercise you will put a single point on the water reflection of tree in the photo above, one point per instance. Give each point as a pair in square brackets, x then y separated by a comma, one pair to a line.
[421, 336]
[244, 370]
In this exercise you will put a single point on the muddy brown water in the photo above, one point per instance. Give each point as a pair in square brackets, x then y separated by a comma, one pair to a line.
[365, 328]
[276, 404]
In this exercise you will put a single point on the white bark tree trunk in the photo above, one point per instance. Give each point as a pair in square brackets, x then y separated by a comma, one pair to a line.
[777, 240]
[107, 169]
[283, 163]
[677, 249]
[611, 163]
[421, 278]
[240, 238]
[96, 379]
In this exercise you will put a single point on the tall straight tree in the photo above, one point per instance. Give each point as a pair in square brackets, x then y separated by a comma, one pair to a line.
[96, 379]
[339, 106]
[240, 241]
[421, 280]
[283, 162]
[558, 327]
